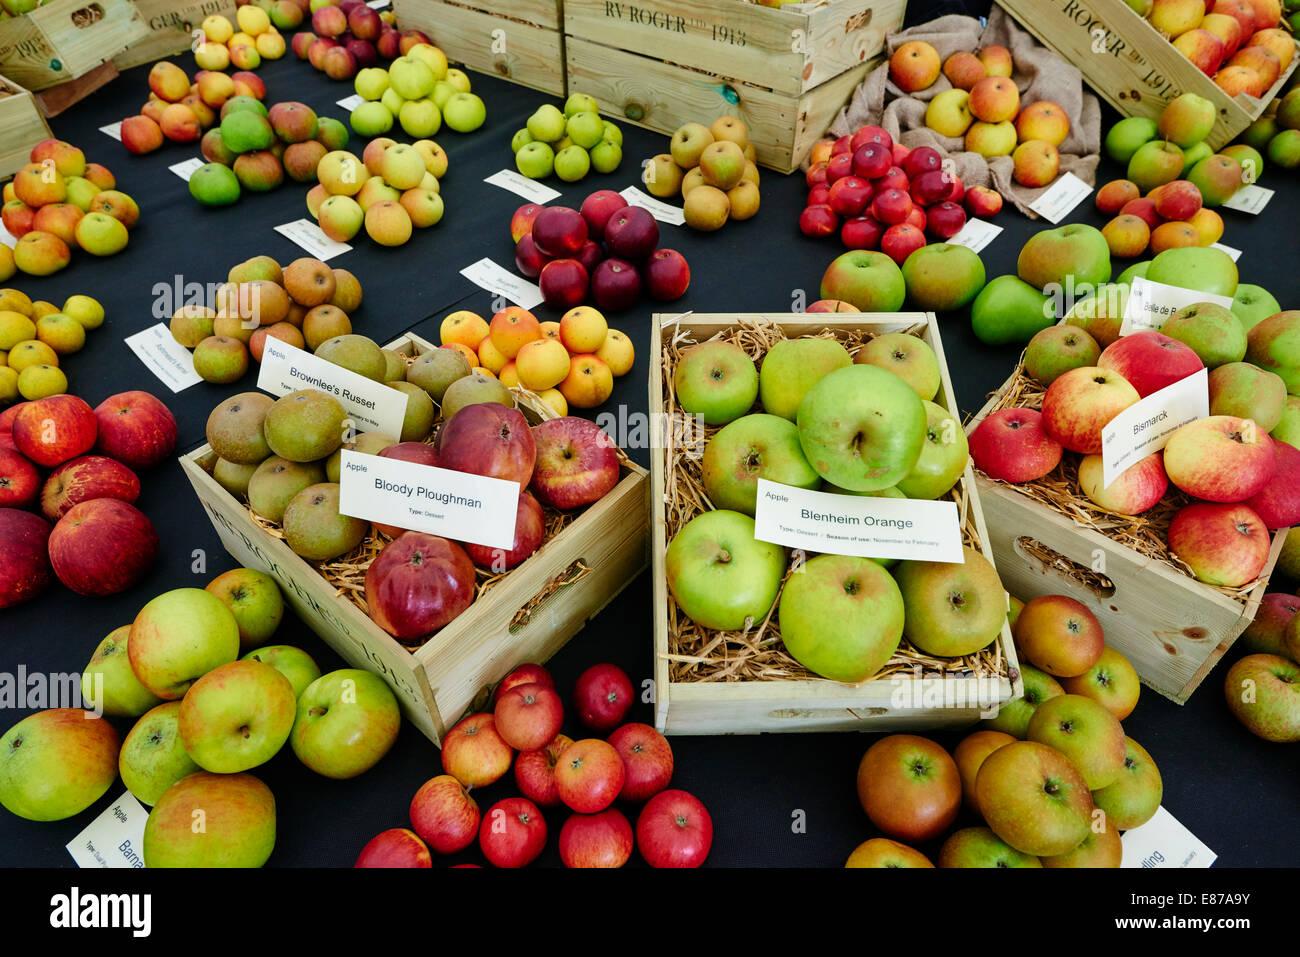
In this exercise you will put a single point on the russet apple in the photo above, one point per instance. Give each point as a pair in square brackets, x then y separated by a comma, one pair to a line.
[1059, 635]
[909, 787]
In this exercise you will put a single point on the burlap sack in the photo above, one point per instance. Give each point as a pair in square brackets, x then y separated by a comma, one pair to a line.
[1039, 75]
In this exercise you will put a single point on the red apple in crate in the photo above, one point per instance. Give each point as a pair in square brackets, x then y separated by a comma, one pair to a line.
[444, 815]
[488, 439]
[136, 429]
[602, 697]
[535, 772]
[647, 761]
[20, 482]
[667, 275]
[417, 584]
[521, 223]
[864, 232]
[674, 830]
[50, 431]
[513, 833]
[396, 847]
[525, 674]
[559, 231]
[596, 840]
[563, 283]
[1149, 361]
[1139, 487]
[577, 463]
[1278, 502]
[102, 547]
[1079, 403]
[417, 452]
[529, 259]
[530, 529]
[597, 209]
[589, 775]
[528, 716]
[25, 558]
[1225, 545]
[632, 233]
[615, 285]
[816, 221]
[85, 478]
[474, 753]
[1220, 458]
[1012, 445]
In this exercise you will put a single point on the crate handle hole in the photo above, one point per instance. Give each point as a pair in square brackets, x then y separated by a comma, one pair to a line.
[533, 608]
[1050, 560]
[87, 15]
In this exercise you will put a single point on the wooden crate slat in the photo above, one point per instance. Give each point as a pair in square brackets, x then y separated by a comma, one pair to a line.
[65, 39]
[21, 127]
[171, 25]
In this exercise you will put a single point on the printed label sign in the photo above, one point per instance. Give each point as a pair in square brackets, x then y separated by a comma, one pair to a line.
[1145, 426]
[350, 103]
[1235, 254]
[1149, 304]
[373, 406]
[488, 275]
[164, 357]
[1249, 199]
[529, 189]
[1063, 195]
[187, 168]
[976, 234]
[307, 235]
[663, 212]
[1164, 842]
[113, 129]
[115, 838]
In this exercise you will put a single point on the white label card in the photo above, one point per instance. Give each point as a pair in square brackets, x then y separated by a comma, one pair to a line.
[373, 406]
[529, 189]
[1150, 303]
[376, 4]
[115, 838]
[976, 234]
[350, 103]
[1249, 199]
[1145, 426]
[1235, 254]
[1061, 197]
[860, 525]
[422, 498]
[164, 357]
[305, 234]
[1164, 842]
[7, 239]
[114, 130]
[664, 212]
[488, 275]
[187, 168]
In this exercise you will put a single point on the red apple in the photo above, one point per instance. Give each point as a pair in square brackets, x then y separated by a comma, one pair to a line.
[102, 547]
[945, 220]
[667, 275]
[602, 697]
[616, 285]
[900, 241]
[1224, 545]
[818, 221]
[849, 196]
[529, 260]
[983, 202]
[513, 833]
[838, 167]
[535, 772]
[530, 529]
[488, 439]
[50, 431]
[596, 840]
[891, 206]
[842, 144]
[25, 558]
[417, 452]
[1079, 403]
[387, 46]
[872, 160]
[932, 186]
[577, 463]
[674, 830]
[1150, 361]
[521, 223]
[894, 178]
[7, 426]
[872, 134]
[20, 482]
[817, 175]
[444, 815]
[589, 775]
[525, 674]
[1220, 458]
[136, 429]
[474, 753]
[590, 255]
[396, 847]
[82, 479]
[632, 233]
[563, 283]
[862, 232]
[647, 761]
[1278, 502]
[917, 218]
[921, 160]
[364, 23]
[329, 22]
[559, 231]
[1012, 445]
[597, 208]
[529, 716]
[417, 584]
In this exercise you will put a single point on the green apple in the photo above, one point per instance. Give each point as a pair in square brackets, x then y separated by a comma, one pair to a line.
[419, 118]
[585, 128]
[294, 663]
[793, 366]
[572, 163]
[1212, 331]
[57, 763]
[153, 757]
[392, 101]
[546, 124]
[1135, 796]
[1033, 798]
[410, 77]
[1013, 717]
[1288, 427]
[1202, 268]
[952, 609]
[1274, 344]
[942, 277]
[443, 91]
[109, 685]
[459, 80]
[862, 428]
[716, 381]
[180, 636]
[1186, 120]
[944, 455]
[1253, 304]
[371, 119]
[719, 574]
[980, 847]
[1155, 164]
[1133, 272]
[869, 280]
[371, 82]
[521, 139]
[464, 112]
[347, 720]
[1194, 154]
[1125, 137]
[580, 103]
[613, 134]
[1075, 256]
[1010, 310]
[841, 617]
[536, 160]
[908, 357]
[753, 447]
[237, 813]
[236, 717]
[254, 598]
[1056, 350]
[606, 155]
[1086, 732]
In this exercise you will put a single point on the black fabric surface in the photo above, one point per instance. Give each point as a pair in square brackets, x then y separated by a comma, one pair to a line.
[1220, 781]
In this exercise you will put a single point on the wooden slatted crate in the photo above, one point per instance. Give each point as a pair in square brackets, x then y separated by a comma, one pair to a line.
[171, 25]
[902, 701]
[527, 616]
[21, 127]
[66, 39]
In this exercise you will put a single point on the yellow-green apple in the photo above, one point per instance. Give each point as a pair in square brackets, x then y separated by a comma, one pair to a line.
[1135, 796]
[1013, 446]
[1101, 848]
[943, 277]
[1217, 178]
[909, 787]
[24, 562]
[1263, 693]
[398, 846]
[1035, 163]
[1246, 391]
[236, 716]
[997, 60]
[1008, 309]
[1075, 253]
[1223, 544]
[474, 753]
[749, 448]
[1139, 487]
[1154, 164]
[178, 637]
[1222, 458]
[1212, 331]
[914, 66]
[444, 815]
[1033, 798]
[991, 139]
[952, 609]
[1186, 120]
[1086, 732]
[948, 114]
[882, 852]
[1274, 344]
[1058, 349]
[102, 546]
[1288, 427]
[1266, 634]
[841, 617]
[254, 599]
[513, 831]
[417, 584]
[238, 813]
[41, 254]
[347, 721]
[1149, 361]
[719, 574]
[1080, 403]
[869, 280]
[792, 366]
[1253, 304]
[85, 478]
[1278, 502]
[717, 381]
[100, 234]
[1059, 635]
[907, 356]
[294, 663]
[108, 682]
[943, 458]
[980, 847]
[57, 763]
[152, 757]
[1112, 682]
[1014, 716]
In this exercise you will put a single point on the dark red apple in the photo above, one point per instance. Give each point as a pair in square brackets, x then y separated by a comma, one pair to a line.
[530, 529]
[102, 547]
[525, 674]
[598, 208]
[818, 221]
[932, 186]
[535, 772]
[513, 833]
[387, 46]
[894, 178]
[563, 283]
[559, 231]
[396, 847]
[674, 830]
[417, 452]
[488, 439]
[596, 840]
[529, 260]
[892, 206]
[602, 697]
[616, 285]
[136, 429]
[528, 717]
[818, 196]
[24, 558]
[632, 233]
[667, 275]
[50, 431]
[921, 160]
[444, 815]
[945, 220]
[20, 482]
[363, 53]
[576, 462]
[85, 478]
[843, 144]
[364, 23]
[849, 196]
[590, 255]
[417, 584]
[7, 426]
[647, 761]
[838, 167]
[872, 134]
[589, 775]
[521, 223]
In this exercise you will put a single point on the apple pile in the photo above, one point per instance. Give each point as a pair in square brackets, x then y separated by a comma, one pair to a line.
[258, 37]
[79, 467]
[938, 277]
[419, 91]
[719, 157]
[880, 195]
[392, 190]
[180, 109]
[815, 416]
[570, 143]
[303, 304]
[360, 36]
[33, 335]
[1272, 643]
[608, 250]
[632, 763]
[1277, 136]
[1238, 43]
[572, 362]
[57, 203]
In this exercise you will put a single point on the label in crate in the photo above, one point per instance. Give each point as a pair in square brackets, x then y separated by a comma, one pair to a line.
[664, 212]
[1145, 426]
[488, 275]
[1061, 197]
[424, 498]
[858, 525]
[187, 168]
[166, 358]
[1150, 303]
[350, 103]
[115, 838]
[305, 234]
[975, 235]
[114, 130]
[529, 189]
[1249, 199]
[373, 406]
[1163, 841]
[1234, 253]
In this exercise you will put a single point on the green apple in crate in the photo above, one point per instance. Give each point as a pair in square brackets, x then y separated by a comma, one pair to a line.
[944, 455]
[57, 763]
[908, 357]
[153, 758]
[719, 574]
[793, 366]
[717, 381]
[238, 815]
[952, 609]
[753, 447]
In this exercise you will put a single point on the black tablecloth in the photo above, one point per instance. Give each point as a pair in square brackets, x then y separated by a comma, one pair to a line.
[1219, 780]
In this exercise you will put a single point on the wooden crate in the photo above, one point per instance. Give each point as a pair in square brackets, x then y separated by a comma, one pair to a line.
[809, 704]
[785, 71]
[1130, 65]
[439, 681]
[171, 25]
[66, 39]
[521, 41]
[1173, 628]
[21, 127]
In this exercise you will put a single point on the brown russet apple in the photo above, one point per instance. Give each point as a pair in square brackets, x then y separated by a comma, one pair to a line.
[309, 281]
[102, 547]
[882, 852]
[909, 787]
[1060, 635]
